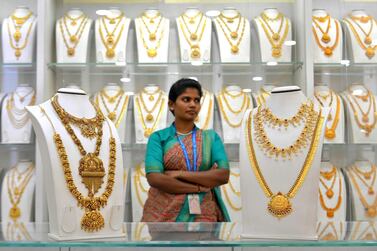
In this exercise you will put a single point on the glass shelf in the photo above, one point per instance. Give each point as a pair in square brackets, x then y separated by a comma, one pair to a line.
[139, 234]
[17, 68]
[9, 147]
[340, 69]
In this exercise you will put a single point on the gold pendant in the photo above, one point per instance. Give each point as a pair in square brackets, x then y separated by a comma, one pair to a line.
[112, 116]
[279, 205]
[92, 221]
[328, 51]
[329, 193]
[71, 51]
[276, 52]
[111, 100]
[192, 21]
[195, 53]
[234, 49]
[147, 132]
[20, 21]
[367, 176]
[149, 117]
[329, 117]
[151, 21]
[152, 36]
[325, 38]
[112, 21]
[16, 191]
[193, 36]
[330, 214]
[110, 53]
[110, 40]
[370, 52]
[365, 118]
[364, 19]
[73, 23]
[329, 237]
[276, 36]
[151, 53]
[92, 172]
[330, 133]
[88, 130]
[73, 38]
[17, 53]
[368, 40]
[151, 98]
[370, 191]
[371, 212]
[14, 212]
[17, 35]
[234, 34]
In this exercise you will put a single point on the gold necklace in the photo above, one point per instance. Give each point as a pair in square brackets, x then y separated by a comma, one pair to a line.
[112, 115]
[330, 211]
[261, 97]
[234, 48]
[151, 19]
[234, 191]
[22, 98]
[91, 170]
[228, 18]
[18, 117]
[327, 50]
[21, 20]
[151, 52]
[208, 115]
[279, 204]
[149, 116]
[325, 34]
[15, 192]
[275, 41]
[74, 39]
[74, 19]
[222, 234]
[229, 200]
[330, 132]
[139, 186]
[109, 43]
[233, 34]
[366, 174]
[328, 175]
[301, 142]
[367, 39]
[152, 34]
[225, 115]
[230, 108]
[362, 178]
[112, 20]
[329, 190]
[14, 45]
[275, 35]
[18, 22]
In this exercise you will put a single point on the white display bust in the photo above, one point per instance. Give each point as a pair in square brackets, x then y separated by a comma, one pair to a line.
[282, 53]
[72, 37]
[118, 25]
[280, 175]
[15, 122]
[335, 127]
[327, 38]
[233, 35]
[20, 51]
[361, 48]
[198, 49]
[64, 213]
[205, 117]
[152, 34]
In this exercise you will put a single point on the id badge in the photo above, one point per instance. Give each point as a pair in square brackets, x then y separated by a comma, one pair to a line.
[194, 204]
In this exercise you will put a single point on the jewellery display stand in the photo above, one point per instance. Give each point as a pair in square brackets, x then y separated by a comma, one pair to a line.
[233, 103]
[363, 190]
[233, 35]
[335, 127]
[113, 102]
[205, 117]
[363, 130]
[15, 122]
[64, 213]
[331, 230]
[152, 34]
[140, 232]
[139, 191]
[18, 36]
[150, 111]
[262, 94]
[281, 176]
[111, 34]
[363, 230]
[271, 41]
[327, 37]
[194, 33]
[17, 196]
[72, 37]
[361, 35]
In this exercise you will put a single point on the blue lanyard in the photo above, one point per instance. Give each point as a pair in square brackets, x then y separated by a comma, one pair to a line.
[185, 153]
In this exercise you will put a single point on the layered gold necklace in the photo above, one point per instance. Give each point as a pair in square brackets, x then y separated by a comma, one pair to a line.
[325, 38]
[275, 38]
[330, 132]
[139, 187]
[19, 116]
[231, 187]
[15, 38]
[192, 37]
[152, 36]
[75, 37]
[279, 204]
[110, 41]
[90, 168]
[15, 191]
[230, 34]
[366, 43]
[330, 194]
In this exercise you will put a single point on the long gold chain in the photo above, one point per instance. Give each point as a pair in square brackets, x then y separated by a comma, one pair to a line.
[362, 178]
[234, 191]
[279, 204]
[74, 19]
[234, 48]
[367, 39]
[229, 200]
[225, 115]
[14, 112]
[261, 97]
[109, 43]
[18, 23]
[139, 186]
[149, 116]
[14, 45]
[230, 108]
[325, 34]
[152, 51]
[74, 39]
[330, 211]
[327, 50]
[208, 114]
[112, 115]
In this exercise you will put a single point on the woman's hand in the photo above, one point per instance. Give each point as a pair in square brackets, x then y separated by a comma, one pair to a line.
[174, 174]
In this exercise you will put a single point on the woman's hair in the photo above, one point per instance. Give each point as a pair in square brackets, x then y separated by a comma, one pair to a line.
[180, 87]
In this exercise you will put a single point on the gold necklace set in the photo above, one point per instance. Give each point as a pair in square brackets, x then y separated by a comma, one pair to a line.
[116, 99]
[149, 118]
[279, 204]
[110, 41]
[230, 187]
[191, 34]
[275, 38]
[366, 43]
[264, 116]
[330, 236]
[139, 187]
[73, 38]
[19, 116]
[91, 168]
[232, 35]
[330, 191]
[152, 34]
[364, 124]
[222, 97]
[208, 113]
[15, 38]
[15, 191]
[365, 177]
[330, 132]
[325, 38]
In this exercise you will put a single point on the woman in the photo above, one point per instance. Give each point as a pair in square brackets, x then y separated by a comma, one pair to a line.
[184, 190]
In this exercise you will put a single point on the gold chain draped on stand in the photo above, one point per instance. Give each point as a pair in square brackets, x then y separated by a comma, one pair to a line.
[139, 188]
[330, 132]
[235, 191]
[18, 116]
[152, 36]
[73, 39]
[15, 38]
[329, 193]
[327, 50]
[208, 114]
[233, 35]
[109, 41]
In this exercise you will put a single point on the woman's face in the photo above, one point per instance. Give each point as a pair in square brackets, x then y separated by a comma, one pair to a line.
[187, 105]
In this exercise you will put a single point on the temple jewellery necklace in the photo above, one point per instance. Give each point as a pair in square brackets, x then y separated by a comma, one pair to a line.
[329, 193]
[279, 204]
[327, 50]
[112, 115]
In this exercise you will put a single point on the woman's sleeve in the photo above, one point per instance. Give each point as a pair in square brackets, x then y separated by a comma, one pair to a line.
[218, 154]
[154, 155]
